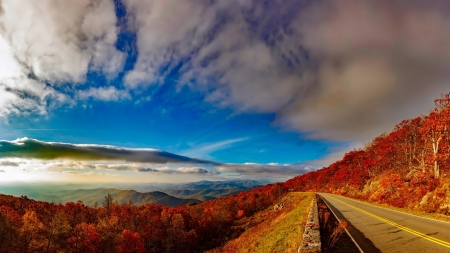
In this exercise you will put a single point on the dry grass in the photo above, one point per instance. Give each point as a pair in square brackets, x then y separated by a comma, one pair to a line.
[274, 231]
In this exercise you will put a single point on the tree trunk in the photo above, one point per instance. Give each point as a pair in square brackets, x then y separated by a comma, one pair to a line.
[436, 169]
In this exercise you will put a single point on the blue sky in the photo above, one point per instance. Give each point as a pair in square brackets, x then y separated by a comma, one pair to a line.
[177, 122]
[259, 89]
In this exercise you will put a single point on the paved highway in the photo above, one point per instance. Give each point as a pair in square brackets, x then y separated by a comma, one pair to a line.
[377, 229]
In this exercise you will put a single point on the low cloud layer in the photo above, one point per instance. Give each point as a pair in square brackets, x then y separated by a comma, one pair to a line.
[80, 173]
[37, 156]
[34, 149]
[343, 70]
[9, 164]
[181, 170]
[276, 169]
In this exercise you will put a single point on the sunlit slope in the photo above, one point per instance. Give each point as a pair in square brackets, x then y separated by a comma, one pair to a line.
[273, 231]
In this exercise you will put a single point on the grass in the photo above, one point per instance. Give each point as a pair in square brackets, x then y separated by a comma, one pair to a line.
[274, 231]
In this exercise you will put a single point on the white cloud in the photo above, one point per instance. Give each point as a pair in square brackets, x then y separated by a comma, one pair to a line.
[166, 31]
[341, 70]
[50, 43]
[57, 41]
[104, 94]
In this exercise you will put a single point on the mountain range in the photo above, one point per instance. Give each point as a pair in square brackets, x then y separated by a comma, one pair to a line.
[168, 194]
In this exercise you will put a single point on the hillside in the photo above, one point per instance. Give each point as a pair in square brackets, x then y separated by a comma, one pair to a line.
[34, 226]
[273, 231]
[407, 168]
[92, 196]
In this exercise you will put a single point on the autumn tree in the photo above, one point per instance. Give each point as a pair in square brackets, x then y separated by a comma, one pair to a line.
[58, 231]
[85, 238]
[131, 242]
[31, 233]
[436, 131]
[109, 228]
[10, 222]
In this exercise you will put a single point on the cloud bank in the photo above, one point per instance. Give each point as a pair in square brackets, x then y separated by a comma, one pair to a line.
[277, 169]
[339, 70]
[34, 149]
[181, 170]
[81, 159]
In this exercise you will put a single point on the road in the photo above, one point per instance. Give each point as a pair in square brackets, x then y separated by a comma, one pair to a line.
[378, 229]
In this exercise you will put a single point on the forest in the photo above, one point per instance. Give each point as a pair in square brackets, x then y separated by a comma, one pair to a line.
[407, 168]
[34, 226]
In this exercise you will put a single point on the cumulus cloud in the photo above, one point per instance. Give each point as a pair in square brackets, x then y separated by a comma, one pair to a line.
[34, 149]
[377, 63]
[48, 44]
[342, 70]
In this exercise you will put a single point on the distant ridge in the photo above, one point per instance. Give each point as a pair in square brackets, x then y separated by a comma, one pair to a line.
[140, 193]
[92, 196]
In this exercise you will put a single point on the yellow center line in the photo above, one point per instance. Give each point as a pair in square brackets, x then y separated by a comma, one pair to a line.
[424, 236]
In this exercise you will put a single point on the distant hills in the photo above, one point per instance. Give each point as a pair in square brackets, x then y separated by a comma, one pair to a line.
[92, 196]
[208, 190]
[168, 194]
[233, 184]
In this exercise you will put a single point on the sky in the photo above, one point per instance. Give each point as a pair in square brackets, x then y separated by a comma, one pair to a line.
[177, 91]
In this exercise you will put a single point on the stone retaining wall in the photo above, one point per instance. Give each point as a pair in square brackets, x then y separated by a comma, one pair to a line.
[311, 237]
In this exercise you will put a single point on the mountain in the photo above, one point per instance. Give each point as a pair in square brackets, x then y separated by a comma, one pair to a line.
[216, 185]
[208, 190]
[206, 194]
[201, 190]
[92, 196]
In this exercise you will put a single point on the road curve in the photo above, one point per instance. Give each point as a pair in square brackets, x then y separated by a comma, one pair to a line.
[378, 229]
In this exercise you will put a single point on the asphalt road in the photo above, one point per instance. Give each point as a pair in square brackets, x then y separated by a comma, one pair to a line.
[377, 229]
